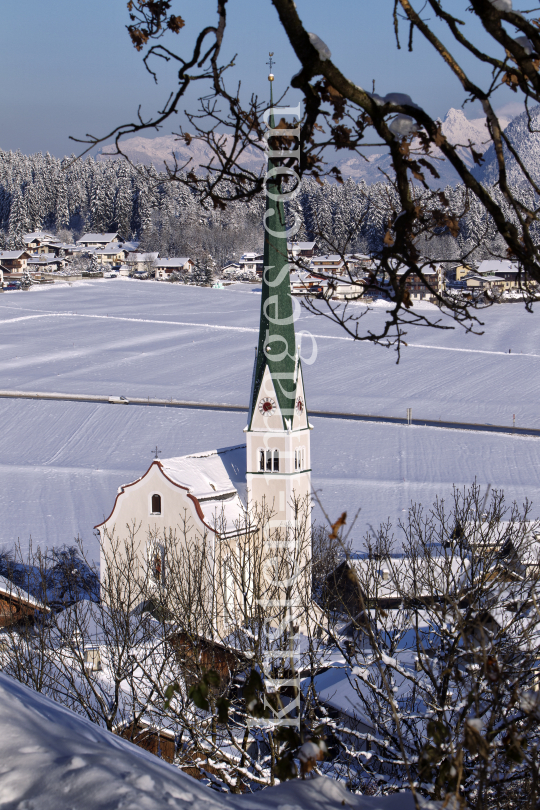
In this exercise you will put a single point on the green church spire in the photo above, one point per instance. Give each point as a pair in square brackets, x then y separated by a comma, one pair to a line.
[277, 346]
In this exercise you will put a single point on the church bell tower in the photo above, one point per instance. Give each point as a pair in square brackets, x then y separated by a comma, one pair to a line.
[278, 430]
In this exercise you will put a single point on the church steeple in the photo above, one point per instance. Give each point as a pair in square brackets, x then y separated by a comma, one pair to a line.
[276, 349]
[277, 434]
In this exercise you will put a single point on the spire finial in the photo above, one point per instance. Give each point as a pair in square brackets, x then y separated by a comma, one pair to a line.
[271, 63]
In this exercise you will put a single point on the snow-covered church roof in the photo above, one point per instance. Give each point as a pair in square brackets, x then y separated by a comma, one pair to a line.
[217, 479]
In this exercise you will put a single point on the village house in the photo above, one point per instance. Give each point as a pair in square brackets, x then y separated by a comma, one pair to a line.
[17, 606]
[252, 263]
[98, 240]
[304, 250]
[45, 261]
[166, 269]
[113, 254]
[418, 290]
[15, 262]
[142, 262]
[38, 242]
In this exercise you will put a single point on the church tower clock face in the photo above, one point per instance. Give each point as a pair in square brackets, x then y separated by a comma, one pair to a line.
[267, 406]
[300, 405]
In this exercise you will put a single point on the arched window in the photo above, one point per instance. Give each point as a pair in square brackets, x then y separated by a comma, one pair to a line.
[156, 504]
[303, 467]
[269, 460]
[276, 460]
[261, 460]
[296, 459]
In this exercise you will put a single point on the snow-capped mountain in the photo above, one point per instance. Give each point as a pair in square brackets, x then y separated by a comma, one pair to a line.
[165, 148]
[524, 134]
[456, 127]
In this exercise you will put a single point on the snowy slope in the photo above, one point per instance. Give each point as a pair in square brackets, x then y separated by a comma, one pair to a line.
[61, 462]
[53, 759]
[524, 134]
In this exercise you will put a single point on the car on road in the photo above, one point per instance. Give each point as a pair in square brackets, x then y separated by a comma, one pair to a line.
[119, 400]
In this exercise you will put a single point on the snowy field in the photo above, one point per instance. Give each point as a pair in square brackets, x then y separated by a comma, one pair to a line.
[61, 462]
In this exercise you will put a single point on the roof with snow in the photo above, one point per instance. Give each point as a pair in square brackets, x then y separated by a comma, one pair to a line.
[9, 589]
[97, 237]
[141, 257]
[179, 262]
[12, 254]
[217, 479]
[300, 245]
[393, 576]
[42, 236]
[489, 266]
[112, 248]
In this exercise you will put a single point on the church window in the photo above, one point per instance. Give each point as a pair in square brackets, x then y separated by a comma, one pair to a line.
[261, 460]
[156, 504]
[276, 460]
[296, 459]
[228, 592]
[156, 563]
[269, 460]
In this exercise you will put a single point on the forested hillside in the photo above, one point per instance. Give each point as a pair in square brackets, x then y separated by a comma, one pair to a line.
[40, 191]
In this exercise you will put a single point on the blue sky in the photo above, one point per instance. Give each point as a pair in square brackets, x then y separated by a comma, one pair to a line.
[68, 66]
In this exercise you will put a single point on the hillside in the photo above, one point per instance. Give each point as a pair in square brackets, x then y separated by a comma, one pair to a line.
[525, 137]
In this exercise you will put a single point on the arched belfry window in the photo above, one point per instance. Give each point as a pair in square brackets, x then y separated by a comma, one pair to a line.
[261, 460]
[276, 460]
[269, 461]
[156, 504]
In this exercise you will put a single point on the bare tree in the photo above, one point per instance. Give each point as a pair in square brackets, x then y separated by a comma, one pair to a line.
[439, 635]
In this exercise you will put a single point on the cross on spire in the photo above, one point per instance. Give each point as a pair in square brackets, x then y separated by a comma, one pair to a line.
[156, 452]
[271, 62]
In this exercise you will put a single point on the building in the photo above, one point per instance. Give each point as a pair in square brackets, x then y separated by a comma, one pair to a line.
[112, 254]
[17, 606]
[418, 290]
[303, 250]
[214, 498]
[251, 263]
[167, 268]
[45, 261]
[142, 262]
[15, 261]
[98, 240]
[39, 242]
[477, 283]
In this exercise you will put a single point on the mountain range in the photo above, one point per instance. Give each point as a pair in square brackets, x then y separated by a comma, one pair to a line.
[455, 126]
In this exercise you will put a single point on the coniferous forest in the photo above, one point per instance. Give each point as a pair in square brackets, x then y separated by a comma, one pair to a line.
[43, 192]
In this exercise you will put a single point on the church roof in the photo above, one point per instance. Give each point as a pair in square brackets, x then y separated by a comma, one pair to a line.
[216, 478]
[276, 349]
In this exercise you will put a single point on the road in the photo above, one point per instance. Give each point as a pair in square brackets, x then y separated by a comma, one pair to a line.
[217, 406]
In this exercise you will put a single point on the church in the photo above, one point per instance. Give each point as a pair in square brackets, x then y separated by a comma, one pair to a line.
[218, 493]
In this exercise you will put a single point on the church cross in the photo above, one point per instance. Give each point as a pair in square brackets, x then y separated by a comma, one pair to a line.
[156, 452]
[271, 61]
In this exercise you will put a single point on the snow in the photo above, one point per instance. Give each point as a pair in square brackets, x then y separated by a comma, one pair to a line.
[54, 759]
[61, 463]
[320, 46]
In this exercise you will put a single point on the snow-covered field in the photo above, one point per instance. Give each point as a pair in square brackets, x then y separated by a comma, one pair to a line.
[61, 462]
